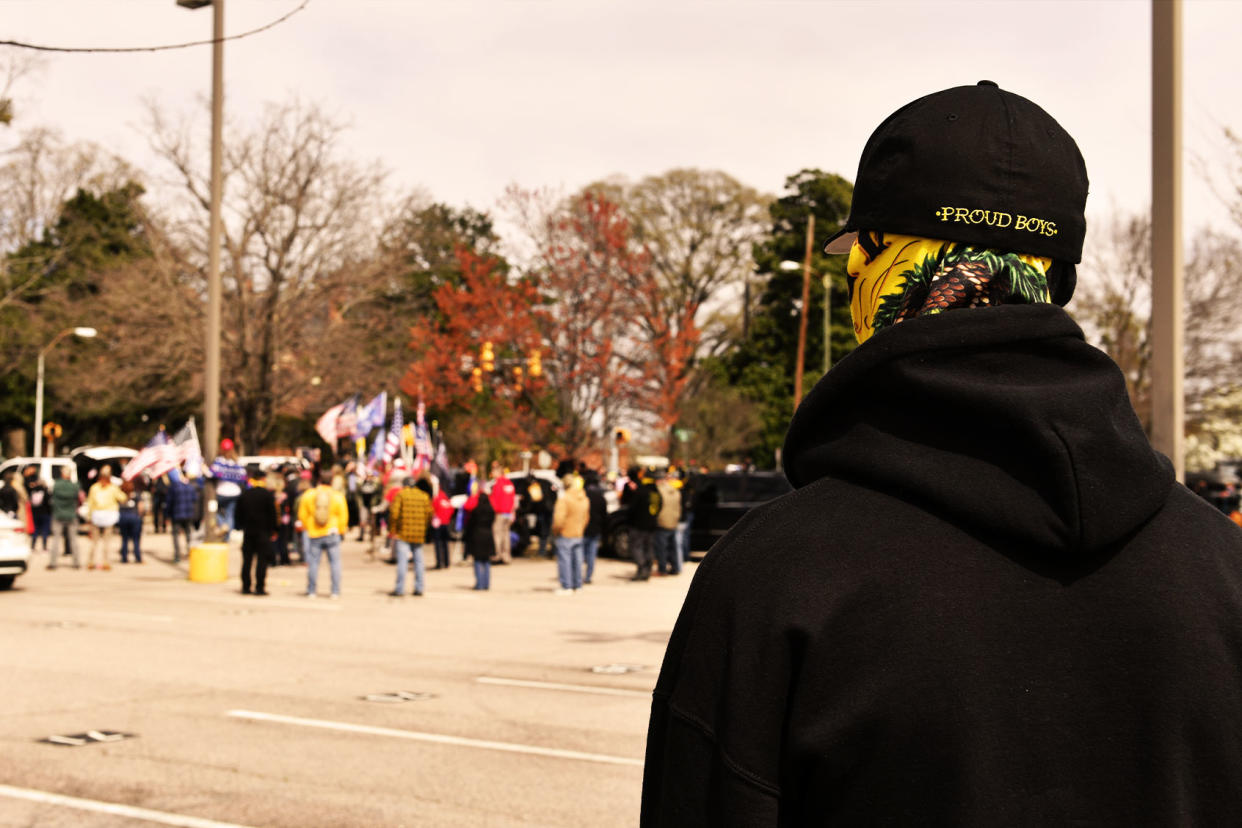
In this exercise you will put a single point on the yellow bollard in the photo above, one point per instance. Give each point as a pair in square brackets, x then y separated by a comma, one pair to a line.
[209, 563]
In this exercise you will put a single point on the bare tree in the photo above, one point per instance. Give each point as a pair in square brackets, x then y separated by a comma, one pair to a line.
[300, 225]
[1113, 302]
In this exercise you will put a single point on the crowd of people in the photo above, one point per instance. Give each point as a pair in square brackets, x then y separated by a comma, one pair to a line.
[290, 513]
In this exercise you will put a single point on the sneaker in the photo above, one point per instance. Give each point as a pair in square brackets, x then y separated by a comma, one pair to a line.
[418, 594]
[334, 597]
[311, 595]
[394, 594]
[563, 591]
[260, 592]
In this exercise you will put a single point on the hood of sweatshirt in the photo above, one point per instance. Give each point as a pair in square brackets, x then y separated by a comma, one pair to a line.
[1002, 421]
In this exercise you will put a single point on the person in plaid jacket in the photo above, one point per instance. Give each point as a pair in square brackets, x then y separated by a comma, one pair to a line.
[408, 519]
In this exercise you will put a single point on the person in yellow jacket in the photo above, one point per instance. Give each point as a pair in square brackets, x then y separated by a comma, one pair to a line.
[569, 520]
[324, 516]
[103, 504]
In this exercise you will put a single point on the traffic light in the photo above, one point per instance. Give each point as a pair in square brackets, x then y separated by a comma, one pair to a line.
[488, 357]
[476, 380]
[535, 363]
[622, 436]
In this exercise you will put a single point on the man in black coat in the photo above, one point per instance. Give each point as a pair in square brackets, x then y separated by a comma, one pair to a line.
[988, 601]
[257, 518]
[642, 503]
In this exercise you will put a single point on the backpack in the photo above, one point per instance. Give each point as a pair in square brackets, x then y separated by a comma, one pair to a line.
[323, 506]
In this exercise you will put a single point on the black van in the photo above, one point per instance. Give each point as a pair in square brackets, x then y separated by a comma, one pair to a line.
[721, 498]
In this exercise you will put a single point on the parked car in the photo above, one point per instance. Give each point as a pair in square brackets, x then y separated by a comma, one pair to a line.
[524, 519]
[90, 459]
[721, 498]
[47, 467]
[14, 549]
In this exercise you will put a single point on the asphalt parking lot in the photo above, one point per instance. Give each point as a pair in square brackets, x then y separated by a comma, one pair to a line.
[185, 703]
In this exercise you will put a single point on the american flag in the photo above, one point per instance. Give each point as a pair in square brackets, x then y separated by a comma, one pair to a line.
[347, 421]
[161, 454]
[151, 453]
[392, 444]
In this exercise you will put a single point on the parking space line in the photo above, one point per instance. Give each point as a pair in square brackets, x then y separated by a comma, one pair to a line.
[571, 688]
[162, 817]
[438, 738]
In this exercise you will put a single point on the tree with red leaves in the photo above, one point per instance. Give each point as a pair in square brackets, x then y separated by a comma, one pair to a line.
[486, 410]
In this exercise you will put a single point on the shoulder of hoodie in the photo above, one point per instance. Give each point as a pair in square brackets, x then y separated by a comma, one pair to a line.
[823, 536]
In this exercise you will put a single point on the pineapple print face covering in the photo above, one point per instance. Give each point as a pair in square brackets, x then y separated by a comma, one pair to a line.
[893, 278]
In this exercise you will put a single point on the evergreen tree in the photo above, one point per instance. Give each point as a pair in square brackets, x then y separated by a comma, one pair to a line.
[762, 365]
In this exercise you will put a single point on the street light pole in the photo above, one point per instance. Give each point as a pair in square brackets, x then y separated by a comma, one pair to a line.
[211, 374]
[211, 397]
[85, 333]
[806, 301]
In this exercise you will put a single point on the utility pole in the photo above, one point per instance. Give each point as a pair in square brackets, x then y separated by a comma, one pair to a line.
[1168, 361]
[211, 397]
[806, 302]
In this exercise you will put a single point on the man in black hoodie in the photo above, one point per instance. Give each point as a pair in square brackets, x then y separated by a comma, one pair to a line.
[988, 601]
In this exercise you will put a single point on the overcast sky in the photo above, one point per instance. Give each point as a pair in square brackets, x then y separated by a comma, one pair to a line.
[462, 98]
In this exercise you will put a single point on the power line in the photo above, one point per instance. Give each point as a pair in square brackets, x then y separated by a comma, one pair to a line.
[276, 22]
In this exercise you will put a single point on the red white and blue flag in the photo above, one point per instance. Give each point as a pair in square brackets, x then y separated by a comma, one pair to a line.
[371, 415]
[392, 443]
[162, 454]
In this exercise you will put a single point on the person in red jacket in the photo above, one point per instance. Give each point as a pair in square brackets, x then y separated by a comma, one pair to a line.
[441, 517]
[504, 500]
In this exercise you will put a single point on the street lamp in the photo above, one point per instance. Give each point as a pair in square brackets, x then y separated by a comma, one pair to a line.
[85, 333]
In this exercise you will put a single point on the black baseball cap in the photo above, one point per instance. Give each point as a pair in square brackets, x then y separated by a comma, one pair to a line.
[979, 165]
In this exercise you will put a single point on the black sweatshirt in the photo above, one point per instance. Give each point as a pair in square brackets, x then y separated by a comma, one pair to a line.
[987, 603]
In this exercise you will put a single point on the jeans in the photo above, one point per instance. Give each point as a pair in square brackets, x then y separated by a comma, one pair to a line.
[500, 536]
[42, 528]
[590, 549]
[683, 538]
[316, 547]
[482, 574]
[180, 528]
[404, 550]
[130, 527]
[544, 530]
[569, 562]
[642, 543]
[228, 509]
[440, 537]
[666, 551]
[64, 539]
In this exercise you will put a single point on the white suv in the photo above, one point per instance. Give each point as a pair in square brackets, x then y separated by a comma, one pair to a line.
[47, 467]
[14, 549]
